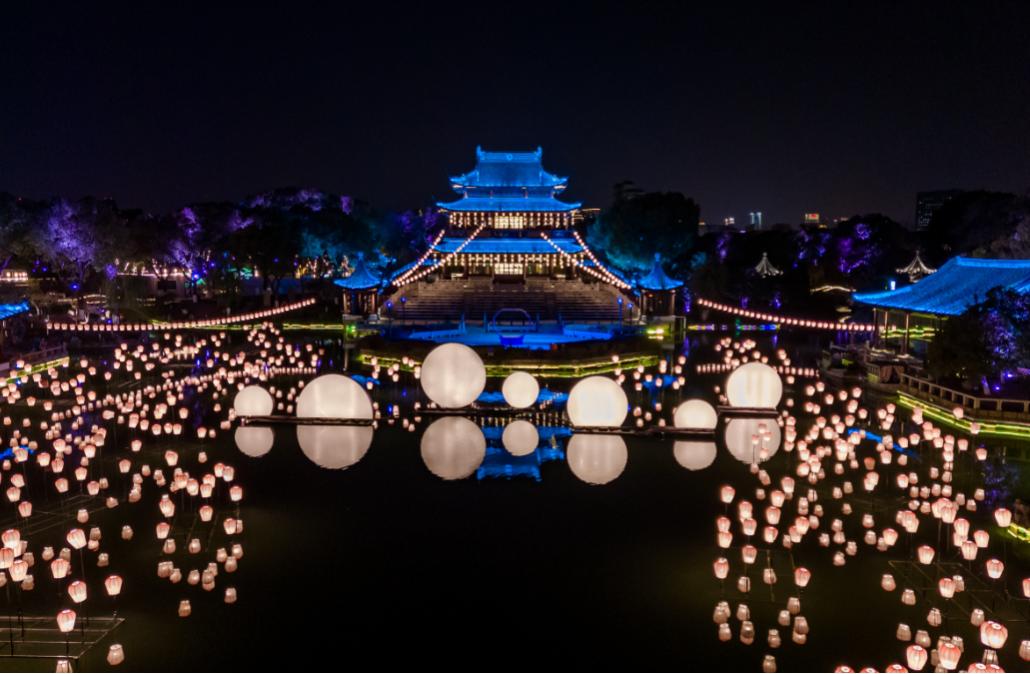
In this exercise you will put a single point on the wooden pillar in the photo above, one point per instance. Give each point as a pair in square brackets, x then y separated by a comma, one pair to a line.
[908, 323]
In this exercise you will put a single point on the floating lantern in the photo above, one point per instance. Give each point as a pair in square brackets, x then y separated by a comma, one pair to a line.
[597, 402]
[253, 401]
[695, 414]
[755, 385]
[520, 389]
[453, 375]
[334, 396]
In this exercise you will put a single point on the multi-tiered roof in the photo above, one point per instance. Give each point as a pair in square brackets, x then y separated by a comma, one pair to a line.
[508, 182]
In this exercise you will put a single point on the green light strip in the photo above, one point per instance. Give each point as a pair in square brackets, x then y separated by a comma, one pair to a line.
[1016, 430]
[566, 370]
[38, 367]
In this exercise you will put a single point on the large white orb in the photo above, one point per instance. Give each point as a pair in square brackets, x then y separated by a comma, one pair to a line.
[334, 396]
[597, 402]
[520, 389]
[597, 459]
[453, 448]
[520, 438]
[752, 440]
[695, 414]
[254, 441]
[754, 385]
[453, 375]
[334, 447]
[694, 454]
[253, 401]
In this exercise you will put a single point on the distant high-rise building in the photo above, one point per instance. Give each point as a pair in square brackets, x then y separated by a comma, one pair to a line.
[729, 221]
[928, 203]
[756, 219]
[811, 219]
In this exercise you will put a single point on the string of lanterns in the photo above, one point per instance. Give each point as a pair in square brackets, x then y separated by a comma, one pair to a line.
[787, 320]
[408, 278]
[182, 325]
[429, 251]
[607, 276]
[612, 278]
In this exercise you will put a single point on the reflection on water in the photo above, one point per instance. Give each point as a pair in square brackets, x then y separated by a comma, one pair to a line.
[453, 447]
[694, 454]
[254, 441]
[752, 440]
[520, 438]
[597, 459]
[334, 447]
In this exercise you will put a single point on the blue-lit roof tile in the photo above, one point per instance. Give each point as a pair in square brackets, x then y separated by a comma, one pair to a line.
[957, 285]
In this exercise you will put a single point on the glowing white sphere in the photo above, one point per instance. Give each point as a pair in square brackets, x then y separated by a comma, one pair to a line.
[752, 440]
[520, 438]
[333, 396]
[597, 459]
[597, 402]
[520, 389]
[694, 454]
[334, 447]
[453, 447]
[253, 401]
[254, 441]
[695, 414]
[754, 385]
[453, 375]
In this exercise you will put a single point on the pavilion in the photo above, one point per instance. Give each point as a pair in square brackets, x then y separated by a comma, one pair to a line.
[911, 315]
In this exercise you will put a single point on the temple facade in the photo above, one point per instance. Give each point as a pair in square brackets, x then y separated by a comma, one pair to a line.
[510, 244]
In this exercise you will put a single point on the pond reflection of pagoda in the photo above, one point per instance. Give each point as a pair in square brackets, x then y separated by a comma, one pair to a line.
[499, 463]
[510, 245]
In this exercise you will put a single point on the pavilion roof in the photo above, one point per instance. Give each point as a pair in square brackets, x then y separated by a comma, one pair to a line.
[9, 309]
[497, 245]
[508, 169]
[361, 278]
[657, 279]
[509, 204]
[957, 285]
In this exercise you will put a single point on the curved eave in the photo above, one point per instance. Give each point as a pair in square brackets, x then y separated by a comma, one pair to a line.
[476, 204]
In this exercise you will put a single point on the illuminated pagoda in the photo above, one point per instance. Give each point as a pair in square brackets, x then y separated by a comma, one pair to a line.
[765, 268]
[509, 246]
[916, 269]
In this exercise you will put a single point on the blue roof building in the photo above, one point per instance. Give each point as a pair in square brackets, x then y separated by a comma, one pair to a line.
[960, 283]
[12, 309]
[910, 316]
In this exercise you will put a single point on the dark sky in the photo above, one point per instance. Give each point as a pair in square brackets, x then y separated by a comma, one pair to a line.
[788, 108]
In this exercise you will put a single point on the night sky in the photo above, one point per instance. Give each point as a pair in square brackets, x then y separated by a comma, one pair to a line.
[785, 109]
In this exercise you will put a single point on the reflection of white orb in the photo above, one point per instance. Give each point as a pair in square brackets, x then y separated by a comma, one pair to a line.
[754, 385]
[597, 402]
[752, 440]
[333, 396]
[253, 401]
[520, 438]
[694, 454]
[453, 447]
[520, 389]
[453, 375]
[334, 447]
[597, 459]
[254, 441]
[695, 414]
